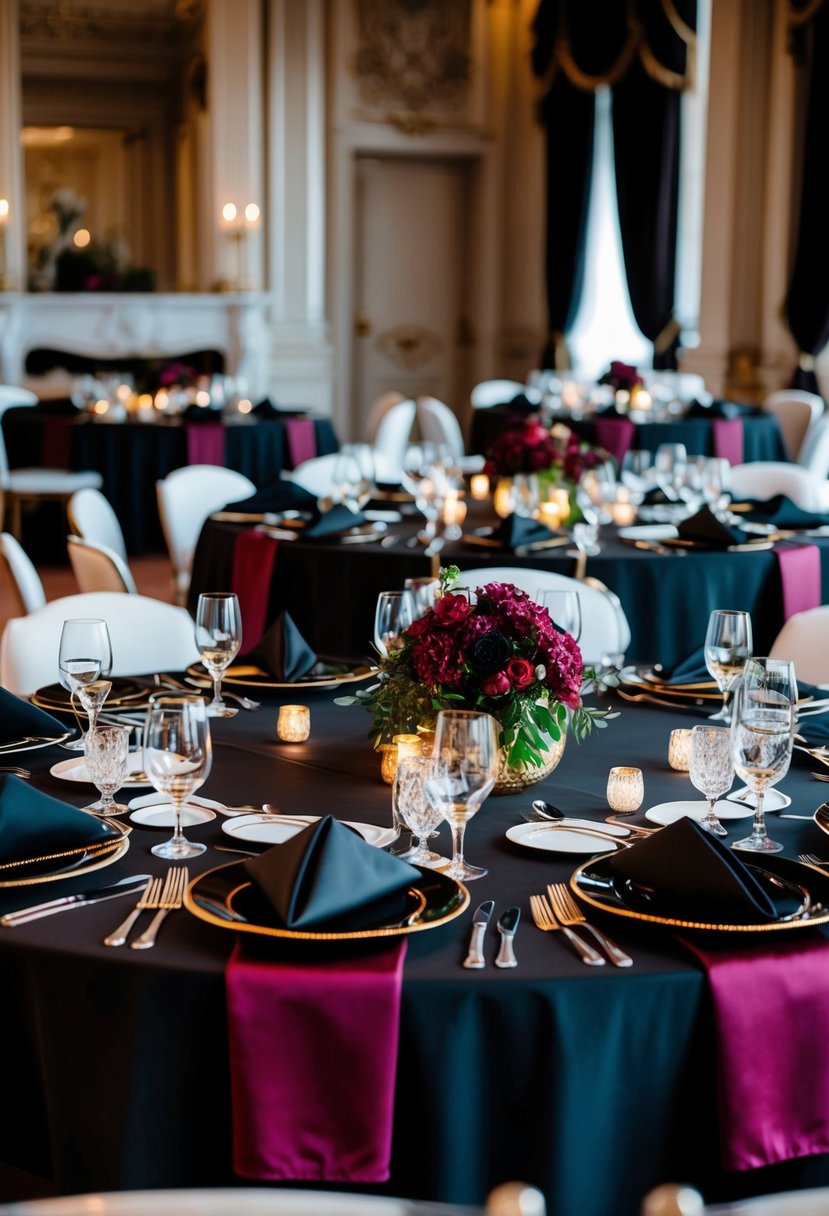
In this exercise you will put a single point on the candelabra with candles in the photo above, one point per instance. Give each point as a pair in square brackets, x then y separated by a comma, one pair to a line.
[237, 228]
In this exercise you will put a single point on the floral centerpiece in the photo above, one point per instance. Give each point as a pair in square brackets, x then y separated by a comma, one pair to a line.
[622, 376]
[499, 652]
[556, 456]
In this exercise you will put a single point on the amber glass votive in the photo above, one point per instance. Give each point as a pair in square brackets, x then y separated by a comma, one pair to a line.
[293, 724]
[400, 746]
[679, 750]
[625, 790]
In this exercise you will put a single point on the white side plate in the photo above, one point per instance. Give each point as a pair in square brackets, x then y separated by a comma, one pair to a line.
[565, 836]
[275, 829]
[669, 812]
[74, 769]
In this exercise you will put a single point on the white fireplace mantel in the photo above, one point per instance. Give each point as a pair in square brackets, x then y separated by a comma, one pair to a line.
[136, 326]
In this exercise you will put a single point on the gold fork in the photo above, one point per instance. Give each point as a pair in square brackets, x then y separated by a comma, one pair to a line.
[151, 898]
[545, 920]
[171, 898]
[569, 913]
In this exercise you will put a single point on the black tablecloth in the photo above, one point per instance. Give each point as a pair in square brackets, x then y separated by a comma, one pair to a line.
[594, 1084]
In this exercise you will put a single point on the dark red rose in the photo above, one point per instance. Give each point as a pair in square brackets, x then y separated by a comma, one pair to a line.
[521, 672]
[451, 609]
[496, 685]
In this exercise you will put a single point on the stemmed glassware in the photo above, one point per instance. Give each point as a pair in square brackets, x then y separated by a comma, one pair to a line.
[177, 759]
[762, 734]
[466, 760]
[84, 655]
[107, 750]
[711, 770]
[219, 639]
[413, 807]
[728, 645]
[395, 611]
[564, 608]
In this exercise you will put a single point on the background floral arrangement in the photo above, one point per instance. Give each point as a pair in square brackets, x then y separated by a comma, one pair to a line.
[532, 448]
[622, 376]
[499, 652]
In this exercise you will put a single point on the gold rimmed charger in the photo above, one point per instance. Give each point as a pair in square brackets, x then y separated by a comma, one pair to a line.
[249, 676]
[124, 693]
[69, 862]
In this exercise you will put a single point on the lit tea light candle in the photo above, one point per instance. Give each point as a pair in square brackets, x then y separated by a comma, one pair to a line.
[479, 486]
[454, 508]
[679, 750]
[623, 513]
[400, 747]
[293, 724]
[625, 790]
[550, 514]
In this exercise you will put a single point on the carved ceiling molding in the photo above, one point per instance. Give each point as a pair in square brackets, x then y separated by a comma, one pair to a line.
[413, 55]
[68, 22]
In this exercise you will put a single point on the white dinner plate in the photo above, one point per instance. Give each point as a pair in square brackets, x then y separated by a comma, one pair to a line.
[649, 532]
[74, 769]
[774, 800]
[156, 811]
[568, 836]
[275, 829]
[669, 812]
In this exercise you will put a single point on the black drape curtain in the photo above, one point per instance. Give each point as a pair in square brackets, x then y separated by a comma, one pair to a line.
[641, 50]
[807, 302]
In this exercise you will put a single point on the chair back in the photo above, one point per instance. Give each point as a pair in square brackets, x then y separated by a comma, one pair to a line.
[604, 625]
[764, 478]
[392, 436]
[814, 450]
[11, 397]
[804, 641]
[317, 474]
[98, 568]
[495, 392]
[92, 518]
[795, 410]
[378, 411]
[147, 635]
[186, 497]
[438, 424]
[24, 577]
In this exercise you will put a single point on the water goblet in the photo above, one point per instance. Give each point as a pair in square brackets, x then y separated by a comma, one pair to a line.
[762, 734]
[395, 611]
[219, 639]
[466, 760]
[177, 760]
[711, 770]
[84, 655]
[107, 750]
[413, 807]
[564, 608]
[728, 644]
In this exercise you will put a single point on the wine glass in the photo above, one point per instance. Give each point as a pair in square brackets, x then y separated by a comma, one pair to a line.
[727, 646]
[419, 815]
[177, 759]
[395, 612]
[219, 639]
[711, 769]
[564, 608]
[84, 655]
[107, 750]
[466, 760]
[762, 734]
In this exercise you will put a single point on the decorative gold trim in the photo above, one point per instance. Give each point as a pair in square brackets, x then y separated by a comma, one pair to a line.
[805, 361]
[666, 336]
[100, 857]
[800, 17]
[680, 28]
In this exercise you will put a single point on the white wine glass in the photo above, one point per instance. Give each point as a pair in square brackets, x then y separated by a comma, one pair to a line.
[711, 770]
[84, 657]
[395, 611]
[107, 751]
[466, 762]
[728, 644]
[219, 640]
[177, 759]
[564, 608]
[413, 807]
[762, 734]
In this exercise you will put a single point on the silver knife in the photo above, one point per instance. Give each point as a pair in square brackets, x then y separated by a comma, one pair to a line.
[127, 886]
[475, 957]
[507, 927]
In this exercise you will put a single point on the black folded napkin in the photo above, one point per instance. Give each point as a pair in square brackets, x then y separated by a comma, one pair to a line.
[518, 530]
[339, 519]
[716, 409]
[274, 496]
[282, 651]
[686, 873]
[813, 728]
[34, 825]
[201, 413]
[656, 497]
[708, 530]
[521, 404]
[328, 878]
[265, 408]
[19, 718]
[782, 512]
[691, 670]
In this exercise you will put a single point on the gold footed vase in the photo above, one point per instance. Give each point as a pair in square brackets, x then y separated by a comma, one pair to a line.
[512, 779]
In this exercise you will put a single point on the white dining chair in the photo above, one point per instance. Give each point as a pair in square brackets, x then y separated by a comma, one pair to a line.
[796, 411]
[804, 641]
[380, 407]
[147, 635]
[31, 485]
[393, 435]
[99, 568]
[814, 450]
[604, 630]
[494, 392]
[765, 478]
[186, 497]
[439, 425]
[25, 580]
[91, 517]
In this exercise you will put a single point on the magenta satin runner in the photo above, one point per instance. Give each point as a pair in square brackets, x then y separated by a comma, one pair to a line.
[615, 435]
[205, 443]
[771, 1009]
[302, 439]
[253, 557]
[313, 1056]
[727, 434]
[799, 577]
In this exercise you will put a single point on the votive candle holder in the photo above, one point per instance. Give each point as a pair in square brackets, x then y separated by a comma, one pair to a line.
[400, 746]
[679, 750]
[293, 724]
[625, 790]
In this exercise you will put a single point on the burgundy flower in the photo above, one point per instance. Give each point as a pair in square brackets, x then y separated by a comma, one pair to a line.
[521, 673]
[450, 609]
[496, 685]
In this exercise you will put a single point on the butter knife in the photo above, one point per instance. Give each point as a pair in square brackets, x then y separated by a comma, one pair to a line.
[507, 927]
[127, 886]
[480, 920]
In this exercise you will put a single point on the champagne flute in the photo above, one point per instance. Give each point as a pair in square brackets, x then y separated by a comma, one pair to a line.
[395, 611]
[466, 761]
[107, 750]
[727, 646]
[711, 770]
[219, 639]
[762, 734]
[564, 608]
[84, 655]
[177, 759]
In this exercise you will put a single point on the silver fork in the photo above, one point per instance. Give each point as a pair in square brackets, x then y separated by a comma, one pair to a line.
[150, 898]
[245, 702]
[569, 913]
[812, 860]
[545, 920]
[171, 898]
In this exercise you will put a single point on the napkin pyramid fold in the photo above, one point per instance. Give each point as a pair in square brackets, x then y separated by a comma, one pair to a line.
[34, 825]
[282, 651]
[19, 718]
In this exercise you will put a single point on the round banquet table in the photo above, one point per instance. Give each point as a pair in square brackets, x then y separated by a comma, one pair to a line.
[585, 1082]
[331, 588]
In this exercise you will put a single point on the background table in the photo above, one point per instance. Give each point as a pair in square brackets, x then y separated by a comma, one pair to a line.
[593, 1083]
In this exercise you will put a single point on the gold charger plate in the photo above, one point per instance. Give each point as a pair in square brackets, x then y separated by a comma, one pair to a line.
[591, 882]
[749, 546]
[82, 861]
[218, 897]
[821, 817]
[254, 677]
[125, 692]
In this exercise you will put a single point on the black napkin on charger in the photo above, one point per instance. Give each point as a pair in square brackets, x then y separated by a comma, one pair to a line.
[339, 518]
[34, 825]
[517, 530]
[715, 409]
[282, 651]
[685, 873]
[275, 496]
[327, 877]
[780, 511]
[19, 718]
[705, 528]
